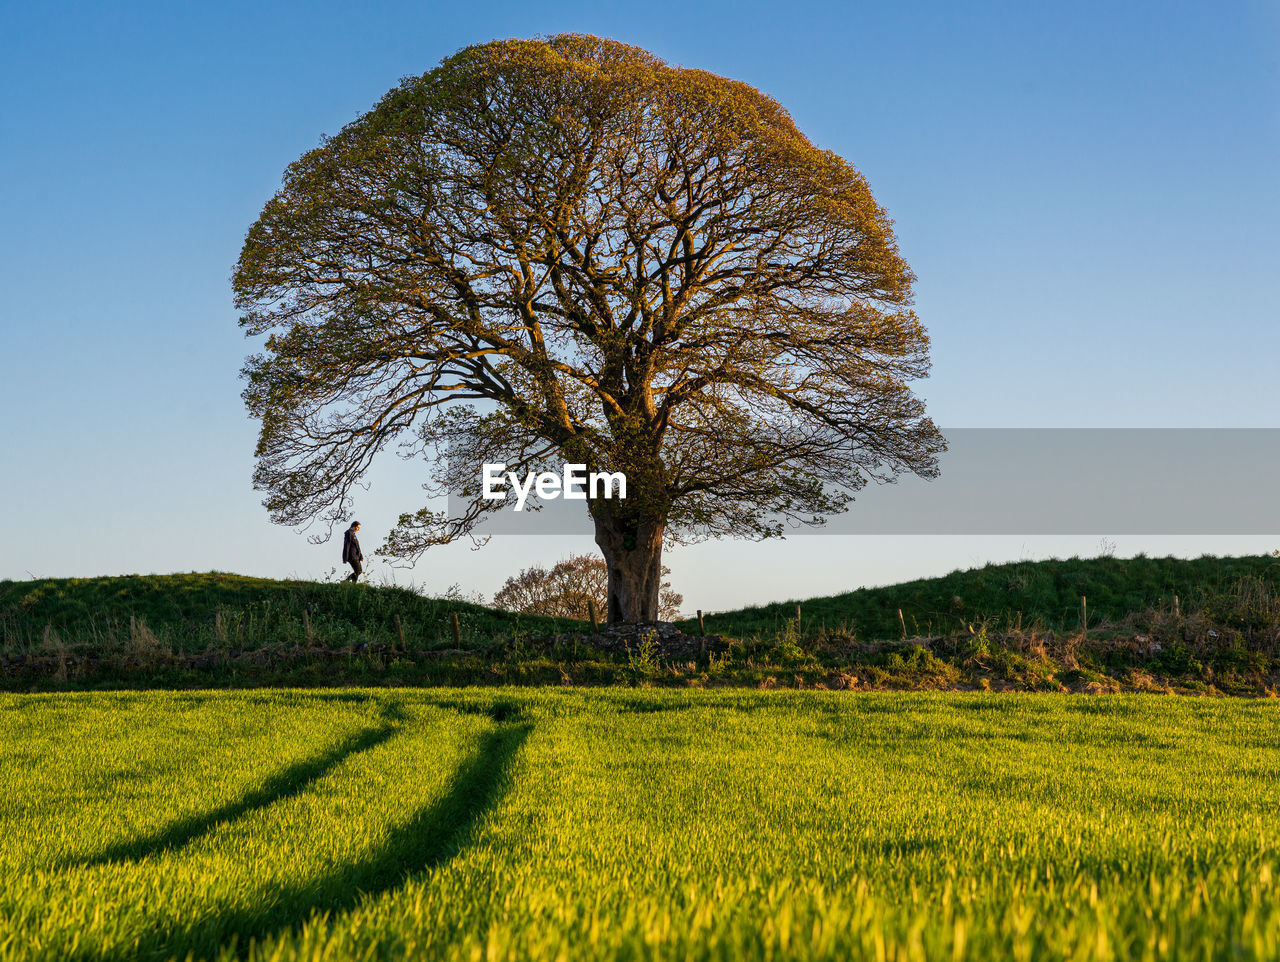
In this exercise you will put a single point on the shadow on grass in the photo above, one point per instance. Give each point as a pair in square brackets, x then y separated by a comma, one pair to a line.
[432, 837]
[284, 784]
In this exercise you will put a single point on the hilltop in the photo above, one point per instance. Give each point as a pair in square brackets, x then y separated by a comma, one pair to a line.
[1207, 624]
[1022, 593]
[190, 612]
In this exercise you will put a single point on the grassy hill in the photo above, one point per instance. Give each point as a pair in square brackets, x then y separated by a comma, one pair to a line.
[1011, 625]
[1043, 593]
[191, 612]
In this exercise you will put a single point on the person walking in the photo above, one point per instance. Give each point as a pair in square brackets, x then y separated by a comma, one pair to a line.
[351, 553]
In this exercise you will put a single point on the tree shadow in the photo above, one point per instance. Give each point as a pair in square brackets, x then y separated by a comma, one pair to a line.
[285, 784]
[431, 838]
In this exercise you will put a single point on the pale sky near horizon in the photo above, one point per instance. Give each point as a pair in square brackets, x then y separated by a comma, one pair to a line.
[1088, 193]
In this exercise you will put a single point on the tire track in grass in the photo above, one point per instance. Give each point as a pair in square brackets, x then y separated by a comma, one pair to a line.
[431, 838]
[285, 784]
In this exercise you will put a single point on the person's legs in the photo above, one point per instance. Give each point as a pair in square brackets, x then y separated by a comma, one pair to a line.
[355, 571]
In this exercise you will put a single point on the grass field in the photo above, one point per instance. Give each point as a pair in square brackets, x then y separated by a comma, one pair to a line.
[546, 824]
[1023, 592]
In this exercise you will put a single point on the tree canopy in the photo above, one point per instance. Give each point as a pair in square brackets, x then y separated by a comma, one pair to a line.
[568, 249]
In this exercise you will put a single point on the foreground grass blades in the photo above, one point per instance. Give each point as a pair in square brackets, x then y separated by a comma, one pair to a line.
[636, 824]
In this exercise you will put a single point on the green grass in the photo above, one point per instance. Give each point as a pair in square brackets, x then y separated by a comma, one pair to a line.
[193, 612]
[1222, 636]
[1021, 592]
[183, 612]
[505, 824]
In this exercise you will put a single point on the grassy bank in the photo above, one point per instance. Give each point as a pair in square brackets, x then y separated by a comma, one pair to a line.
[1044, 594]
[636, 825]
[1209, 625]
[215, 610]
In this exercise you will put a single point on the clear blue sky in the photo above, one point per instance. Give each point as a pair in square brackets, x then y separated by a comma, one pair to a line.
[1088, 192]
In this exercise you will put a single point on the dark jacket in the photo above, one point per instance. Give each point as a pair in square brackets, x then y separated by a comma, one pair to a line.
[351, 548]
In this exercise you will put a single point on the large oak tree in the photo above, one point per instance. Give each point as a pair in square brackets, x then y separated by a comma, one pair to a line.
[568, 249]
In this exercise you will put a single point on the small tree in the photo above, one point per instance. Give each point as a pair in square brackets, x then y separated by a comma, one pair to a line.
[565, 589]
[567, 249]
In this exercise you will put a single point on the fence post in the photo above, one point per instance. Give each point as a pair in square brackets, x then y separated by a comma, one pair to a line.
[591, 611]
[306, 626]
[400, 633]
[457, 630]
[702, 629]
[902, 621]
[1084, 614]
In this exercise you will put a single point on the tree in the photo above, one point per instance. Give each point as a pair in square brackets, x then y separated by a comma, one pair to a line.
[564, 590]
[568, 250]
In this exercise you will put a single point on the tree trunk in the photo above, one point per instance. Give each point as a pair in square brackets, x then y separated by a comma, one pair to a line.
[633, 551]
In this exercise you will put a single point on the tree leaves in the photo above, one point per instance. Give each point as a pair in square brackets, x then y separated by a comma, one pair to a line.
[622, 263]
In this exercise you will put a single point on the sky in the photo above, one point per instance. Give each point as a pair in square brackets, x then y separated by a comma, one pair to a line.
[1088, 193]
